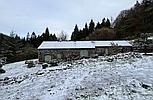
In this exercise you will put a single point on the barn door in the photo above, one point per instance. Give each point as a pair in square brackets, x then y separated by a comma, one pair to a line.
[106, 51]
[47, 58]
[84, 53]
[59, 56]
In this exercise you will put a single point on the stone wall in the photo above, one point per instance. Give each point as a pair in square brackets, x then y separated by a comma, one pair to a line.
[60, 55]
[101, 51]
[63, 54]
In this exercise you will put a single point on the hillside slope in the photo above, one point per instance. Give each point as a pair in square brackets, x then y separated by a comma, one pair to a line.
[130, 23]
[128, 77]
[16, 49]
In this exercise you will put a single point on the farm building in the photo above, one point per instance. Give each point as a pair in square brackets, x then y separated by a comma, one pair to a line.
[67, 50]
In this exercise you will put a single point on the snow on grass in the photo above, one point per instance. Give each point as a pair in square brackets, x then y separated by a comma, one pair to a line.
[119, 77]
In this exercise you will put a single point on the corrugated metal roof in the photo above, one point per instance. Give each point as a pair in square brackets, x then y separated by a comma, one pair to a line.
[80, 44]
[109, 43]
[66, 45]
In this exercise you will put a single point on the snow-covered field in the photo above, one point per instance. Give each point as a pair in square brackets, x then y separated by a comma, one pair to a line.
[126, 77]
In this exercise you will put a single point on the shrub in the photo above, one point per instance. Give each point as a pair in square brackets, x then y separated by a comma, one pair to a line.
[44, 66]
[2, 71]
[30, 64]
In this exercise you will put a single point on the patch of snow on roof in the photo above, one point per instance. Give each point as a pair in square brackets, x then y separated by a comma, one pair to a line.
[79, 44]
[66, 45]
[109, 43]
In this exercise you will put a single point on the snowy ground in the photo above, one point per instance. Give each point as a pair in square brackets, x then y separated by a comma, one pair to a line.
[127, 77]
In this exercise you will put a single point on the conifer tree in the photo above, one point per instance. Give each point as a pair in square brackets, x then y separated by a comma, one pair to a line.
[50, 37]
[28, 37]
[33, 39]
[17, 37]
[86, 30]
[54, 38]
[137, 4]
[107, 24]
[80, 35]
[75, 33]
[91, 26]
[98, 26]
[103, 24]
[45, 35]
[33, 35]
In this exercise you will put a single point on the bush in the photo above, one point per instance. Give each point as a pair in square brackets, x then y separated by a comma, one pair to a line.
[44, 66]
[1, 65]
[2, 71]
[30, 64]
[53, 64]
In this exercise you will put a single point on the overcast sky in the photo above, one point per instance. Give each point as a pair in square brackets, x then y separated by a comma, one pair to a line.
[25, 16]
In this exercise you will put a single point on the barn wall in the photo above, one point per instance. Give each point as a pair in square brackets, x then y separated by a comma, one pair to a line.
[62, 54]
[111, 50]
[75, 54]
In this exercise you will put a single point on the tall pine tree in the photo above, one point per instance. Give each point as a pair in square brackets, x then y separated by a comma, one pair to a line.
[107, 24]
[86, 30]
[75, 33]
[98, 26]
[45, 35]
[103, 24]
[91, 26]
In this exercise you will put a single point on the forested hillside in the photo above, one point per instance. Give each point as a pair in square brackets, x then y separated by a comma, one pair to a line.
[139, 19]
[128, 25]
[16, 48]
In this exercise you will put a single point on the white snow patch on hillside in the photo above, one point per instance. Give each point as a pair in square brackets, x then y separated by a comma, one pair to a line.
[88, 79]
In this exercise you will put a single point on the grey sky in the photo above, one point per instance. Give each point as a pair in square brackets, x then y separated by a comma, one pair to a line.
[24, 16]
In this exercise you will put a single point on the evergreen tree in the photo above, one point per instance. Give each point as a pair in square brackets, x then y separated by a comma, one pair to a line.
[1, 36]
[39, 40]
[108, 24]
[33, 35]
[84, 34]
[98, 26]
[33, 39]
[91, 26]
[137, 4]
[17, 37]
[28, 37]
[75, 33]
[147, 2]
[103, 24]
[80, 35]
[45, 35]
[54, 38]
[23, 40]
[86, 30]
[50, 37]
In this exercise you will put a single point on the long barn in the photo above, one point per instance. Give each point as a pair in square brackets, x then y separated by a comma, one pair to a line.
[68, 50]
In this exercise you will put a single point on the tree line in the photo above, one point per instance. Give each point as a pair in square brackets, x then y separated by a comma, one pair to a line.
[36, 40]
[136, 20]
[128, 25]
[83, 34]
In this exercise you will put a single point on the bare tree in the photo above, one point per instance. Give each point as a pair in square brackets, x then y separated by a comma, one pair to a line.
[62, 36]
[12, 34]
